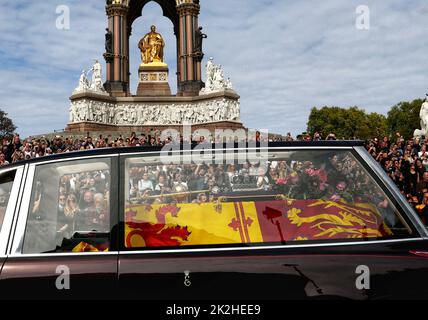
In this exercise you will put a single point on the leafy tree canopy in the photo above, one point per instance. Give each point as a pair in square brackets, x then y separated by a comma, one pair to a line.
[404, 118]
[7, 128]
[346, 123]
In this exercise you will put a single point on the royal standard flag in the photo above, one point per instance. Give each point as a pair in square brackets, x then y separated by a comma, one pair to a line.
[249, 222]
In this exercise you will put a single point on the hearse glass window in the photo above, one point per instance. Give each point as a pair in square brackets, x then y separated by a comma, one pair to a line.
[6, 183]
[70, 208]
[291, 197]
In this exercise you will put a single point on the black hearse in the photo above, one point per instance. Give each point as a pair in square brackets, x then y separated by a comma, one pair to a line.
[292, 220]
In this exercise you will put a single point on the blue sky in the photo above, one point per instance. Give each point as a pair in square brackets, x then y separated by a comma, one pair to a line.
[284, 57]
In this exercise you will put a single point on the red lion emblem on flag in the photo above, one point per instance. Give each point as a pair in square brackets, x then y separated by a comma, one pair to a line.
[158, 234]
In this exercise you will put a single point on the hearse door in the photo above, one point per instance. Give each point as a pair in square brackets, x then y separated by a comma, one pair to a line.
[168, 240]
[63, 244]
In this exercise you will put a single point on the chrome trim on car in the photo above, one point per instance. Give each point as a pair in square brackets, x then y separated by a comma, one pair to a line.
[19, 228]
[62, 254]
[279, 149]
[142, 153]
[76, 158]
[171, 251]
[296, 246]
[5, 229]
[20, 221]
[410, 213]
[17, 238]
[5, 170]
[17, 209]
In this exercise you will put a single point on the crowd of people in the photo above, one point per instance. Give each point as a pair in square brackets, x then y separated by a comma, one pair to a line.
[405, 161]
[305, 177]
[198, 183]
[82, 205]
[84, 202]
[16, 149]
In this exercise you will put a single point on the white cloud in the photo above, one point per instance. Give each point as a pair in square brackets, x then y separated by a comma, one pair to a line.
[284, 57]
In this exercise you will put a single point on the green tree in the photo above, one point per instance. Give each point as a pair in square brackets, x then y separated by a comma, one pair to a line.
[404, 118]
[346, 123]
[377, 124]
[7, 128]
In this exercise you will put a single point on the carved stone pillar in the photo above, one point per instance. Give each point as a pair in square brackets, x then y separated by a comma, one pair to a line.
[118, 61]
[189, 64]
